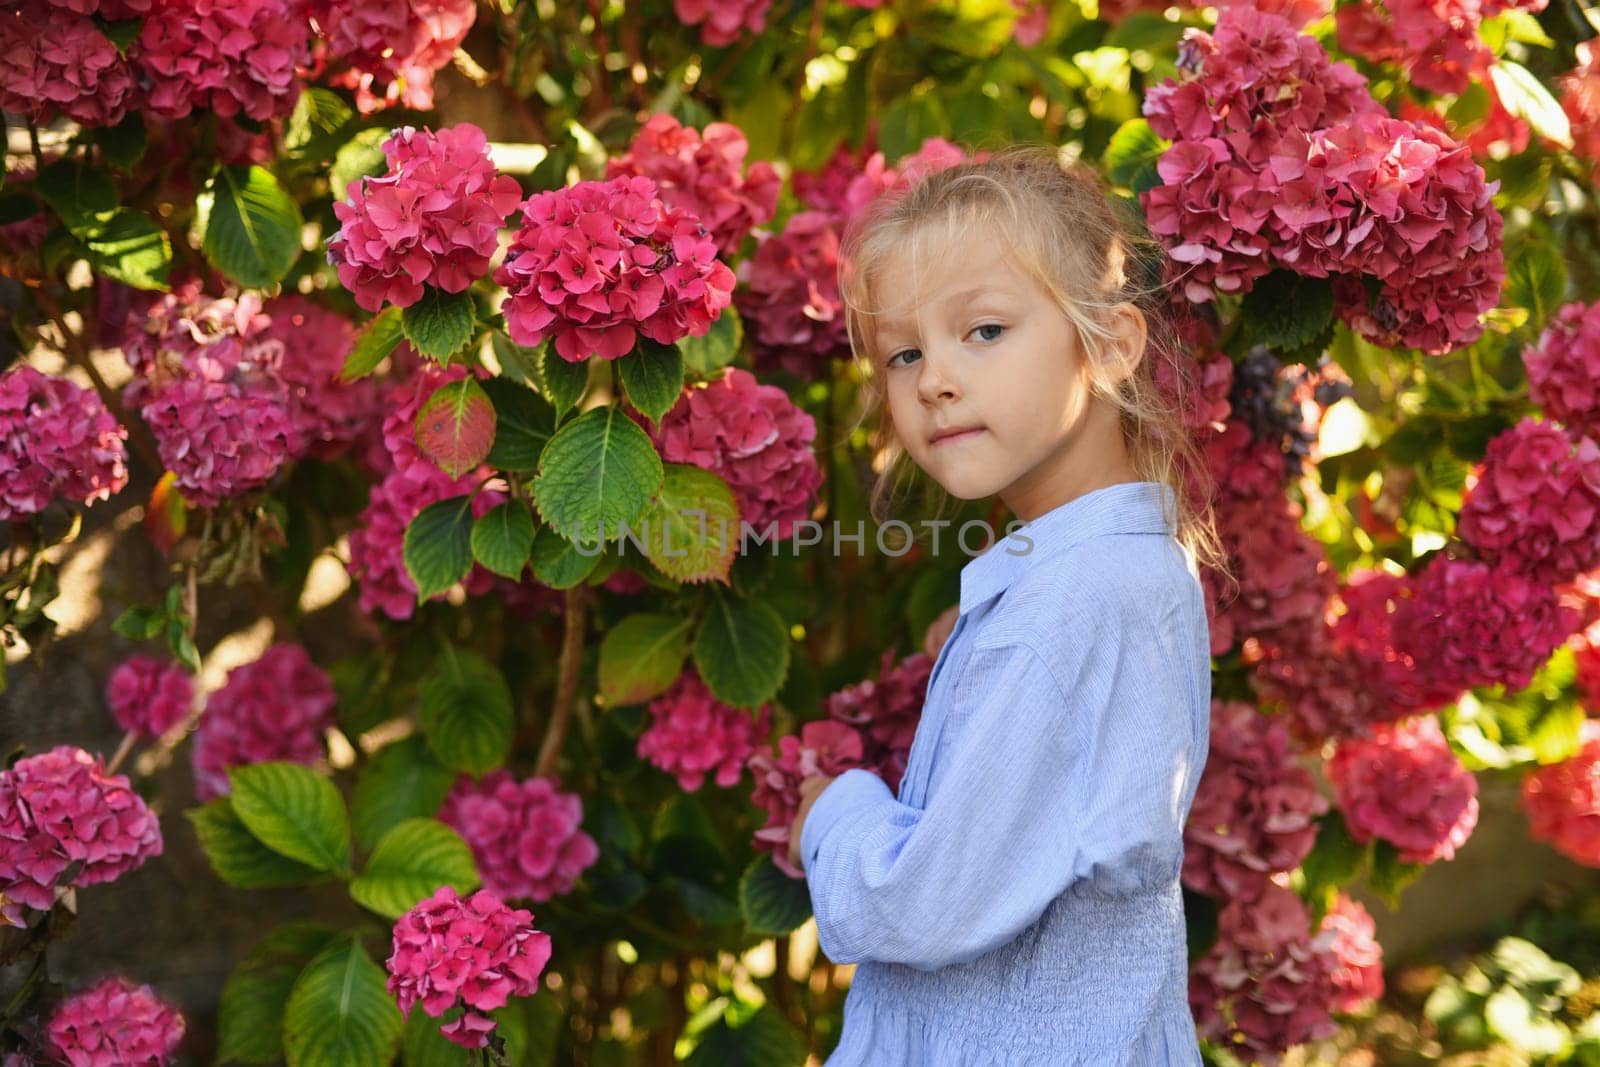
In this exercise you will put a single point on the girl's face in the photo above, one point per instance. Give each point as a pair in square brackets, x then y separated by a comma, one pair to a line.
[984, 349]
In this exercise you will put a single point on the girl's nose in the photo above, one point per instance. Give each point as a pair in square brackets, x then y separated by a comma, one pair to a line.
[935, 381]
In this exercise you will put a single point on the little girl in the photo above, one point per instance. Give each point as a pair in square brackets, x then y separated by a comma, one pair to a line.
[1018, 901]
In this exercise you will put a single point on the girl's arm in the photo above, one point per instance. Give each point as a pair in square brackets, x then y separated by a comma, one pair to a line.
[1072, 766]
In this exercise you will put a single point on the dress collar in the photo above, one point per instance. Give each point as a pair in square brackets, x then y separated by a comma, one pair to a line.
[1126, 507]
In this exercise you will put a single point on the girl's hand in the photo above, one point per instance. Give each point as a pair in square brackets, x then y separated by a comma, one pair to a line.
[810, 789]
[939, 631]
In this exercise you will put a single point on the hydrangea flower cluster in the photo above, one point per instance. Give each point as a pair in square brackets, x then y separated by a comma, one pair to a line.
[326, 415]
[474, 951]
[823, 747]
[61, 807]
[1563, 800]
[1533, 504]
[432, 219]
[722, 22]
[1255, 809]
[55, 61]
[148, 696]
[114, 1022]
[1265, 985]
[699, 174]
[1283, 572]
[1321, 686]
[885, 711]
[753, 437]
[278, 707]
[1564, 368]
[392, 51]
[526, 837]
[1580, 99]
[237, 57]
[1497, 135]
[218, 439]
[1404, 785]
[1435, 42]
[597, 263]
[56, 440]
[1355, 955]
[692, 734]
[1198, 388]
[1281, 158]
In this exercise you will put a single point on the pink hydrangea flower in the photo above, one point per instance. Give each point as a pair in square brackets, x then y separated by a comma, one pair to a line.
[1404, 785]
[1265, 985]
[1322, 686]
[693, 734]
[789, 300]
[1255, 809]
[1533, 504]
[112, 1023]
[600, 262]
[1564, 368]
[61, 807]
[1355, 958]
[232, 58]
[326, 415]
[433, 219]
[526, 837]
[218, 439]
[392, 51]
[722, 22]
[55, 61]
[474, 951]
[699, 173]
[1282, 571]
[1580, 99]
[1198, 389]
[56, 440]
[824, 747]
[148, 696]
[754, 438]
[886, 711]
[1563, 800]
[278, 707]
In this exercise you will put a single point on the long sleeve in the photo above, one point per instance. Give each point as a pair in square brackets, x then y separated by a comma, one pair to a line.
[1065, 768]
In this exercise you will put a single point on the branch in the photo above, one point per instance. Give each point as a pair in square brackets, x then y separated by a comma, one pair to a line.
[566, 680]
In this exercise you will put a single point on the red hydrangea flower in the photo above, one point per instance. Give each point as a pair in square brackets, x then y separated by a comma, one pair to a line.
[526, 837]
[112, 1023]
[886, 711]
[852, 179]
[1355, 958]
[1255, 809]
[279, 707]
[56, 440]
[789, 300]
[699, 173]
[1580, 99]
[1469, 624]
[231, 58]
[1245, 467]
[474, 951]
[1282, 571]
[433, 219]
[56, 61]
[1564, 368]
[1198, 389]
[597, 263]
[1533, 504]
[61, 807]
[148, 696]
[218, 439]
[823, 747]
[326, 415]
[1404, 785]
[391, 51]
[1563, 800]
[692, 734]
[1265, 985]
[1324, 688]
[723, 22]
[753, 437]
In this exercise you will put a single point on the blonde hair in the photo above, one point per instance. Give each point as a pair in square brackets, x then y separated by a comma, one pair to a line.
[1063, 226]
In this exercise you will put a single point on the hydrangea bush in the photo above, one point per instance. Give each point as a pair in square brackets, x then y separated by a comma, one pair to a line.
[519, 316]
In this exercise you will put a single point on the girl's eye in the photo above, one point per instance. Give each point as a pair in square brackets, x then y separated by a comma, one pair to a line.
[984, 326]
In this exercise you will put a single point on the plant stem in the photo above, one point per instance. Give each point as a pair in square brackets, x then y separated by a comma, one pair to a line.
[601, 92]
[128, 740]
[566, 680]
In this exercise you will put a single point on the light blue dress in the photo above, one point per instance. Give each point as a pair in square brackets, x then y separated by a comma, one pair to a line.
[1019, 902]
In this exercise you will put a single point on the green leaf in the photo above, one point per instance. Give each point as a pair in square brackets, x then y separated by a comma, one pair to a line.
[422, 1044]
[403, 781]
[1133, 153]
[360, 157]
[719, 346]
[641, 657]
[1389, 876]
[123, 145]
[1558, 735]
[130, 248]
[598, 472]
[765, 1040]
[742, 651]
[250, 1018]
[252, 226]
[374, 343]
[294, 811]
[317, 126]
[1335, 858]
[565, 381]
[652, 376]
[1286, 310]
[413, 860]
[1525, 96]
[519, 364]
[440, 324]
[684, 840]
[772, 902]
[465, 710]
[339, 1013]
[693, 527]
[1536, 279]
[238, 857]
[524, 424]
[141, 623]
[83, 196]
[122, 33]
[438, 546]
[455, 427]
[502, 538]
[557, 561]
[703, 903]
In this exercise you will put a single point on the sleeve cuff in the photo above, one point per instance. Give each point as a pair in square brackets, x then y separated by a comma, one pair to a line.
[846, 793]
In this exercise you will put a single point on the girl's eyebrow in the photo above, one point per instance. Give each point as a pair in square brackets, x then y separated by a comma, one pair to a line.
[956, 299]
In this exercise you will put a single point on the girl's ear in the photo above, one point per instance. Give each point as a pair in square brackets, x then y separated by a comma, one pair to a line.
[1124, 350]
